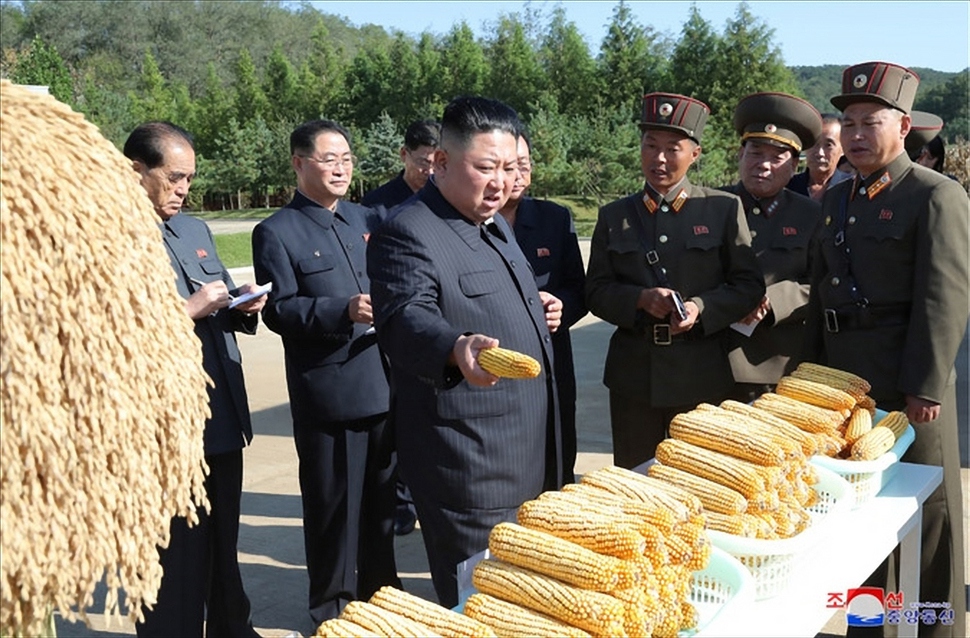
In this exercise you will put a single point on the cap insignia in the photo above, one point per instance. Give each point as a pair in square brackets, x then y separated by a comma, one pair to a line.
[860, 81]
[770, 128]
[666, 109]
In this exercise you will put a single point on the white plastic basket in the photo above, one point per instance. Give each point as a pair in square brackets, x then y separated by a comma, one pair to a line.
[869, 477]
[719, 589]
[770, 561]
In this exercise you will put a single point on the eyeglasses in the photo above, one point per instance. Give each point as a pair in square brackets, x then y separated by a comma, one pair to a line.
[525, 167]
[421, 162]
[330, 161]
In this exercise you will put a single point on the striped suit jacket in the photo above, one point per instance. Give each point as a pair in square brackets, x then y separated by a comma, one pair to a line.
[434, 278]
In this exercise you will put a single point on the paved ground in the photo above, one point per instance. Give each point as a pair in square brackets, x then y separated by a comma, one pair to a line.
[271, 541]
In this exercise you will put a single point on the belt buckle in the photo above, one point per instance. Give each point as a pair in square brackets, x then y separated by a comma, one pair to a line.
[831, 320]
[661, 334]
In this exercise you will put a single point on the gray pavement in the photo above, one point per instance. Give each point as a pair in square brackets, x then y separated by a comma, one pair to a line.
[271, 539]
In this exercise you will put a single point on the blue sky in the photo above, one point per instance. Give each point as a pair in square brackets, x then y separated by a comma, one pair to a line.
[914, 34]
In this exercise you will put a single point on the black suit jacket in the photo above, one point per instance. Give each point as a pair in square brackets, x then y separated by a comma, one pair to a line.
[433, 279]
[316, 260]
[544, 231]
[193, 256]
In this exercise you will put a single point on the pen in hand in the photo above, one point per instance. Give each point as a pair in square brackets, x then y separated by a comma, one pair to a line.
[202, 283]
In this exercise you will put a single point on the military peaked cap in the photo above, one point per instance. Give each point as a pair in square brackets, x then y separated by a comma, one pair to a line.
[672, 112]
[925, 127]
[883, 82]
[779, 119]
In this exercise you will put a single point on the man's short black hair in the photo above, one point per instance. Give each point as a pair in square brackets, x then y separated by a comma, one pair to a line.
[466, 116]
[304, 137]
[422, 133]
[145, 142]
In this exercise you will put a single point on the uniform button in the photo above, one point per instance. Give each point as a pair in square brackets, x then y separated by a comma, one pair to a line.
[862, 190]
[546, 338]
[360, 274]
[532, 301]
[512, 263]
[852, 220]
[349, 246]
[663, 239]
[756, 210]
[665, 208]
[835, 281]
[754, 234]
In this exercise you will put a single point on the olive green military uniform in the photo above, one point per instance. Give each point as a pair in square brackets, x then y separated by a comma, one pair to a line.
[702, 241]
[782, 230]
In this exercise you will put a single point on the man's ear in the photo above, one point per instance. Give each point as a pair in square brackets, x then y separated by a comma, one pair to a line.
[905, 124]
[404, 152]
[139, 167]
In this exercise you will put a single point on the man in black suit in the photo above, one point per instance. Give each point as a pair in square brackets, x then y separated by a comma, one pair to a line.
[420, 141]
[201, 582]
[313, 251]
[544, 231]
[448, 280]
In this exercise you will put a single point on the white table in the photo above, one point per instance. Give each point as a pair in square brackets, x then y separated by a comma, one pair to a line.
[854, 544]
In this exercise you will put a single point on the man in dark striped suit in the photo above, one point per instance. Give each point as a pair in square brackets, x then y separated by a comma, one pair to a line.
[447, 280]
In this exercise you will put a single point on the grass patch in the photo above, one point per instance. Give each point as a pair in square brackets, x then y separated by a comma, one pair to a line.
[230, 215]
[235, 249]
[585, 210]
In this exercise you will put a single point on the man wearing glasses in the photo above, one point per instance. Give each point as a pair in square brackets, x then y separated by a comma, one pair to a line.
[313, 251]
[420, 141]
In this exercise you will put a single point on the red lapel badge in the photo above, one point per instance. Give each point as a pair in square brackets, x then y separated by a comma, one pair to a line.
[542, 252]
[201, 253]
[701, 230]
[885, 215]
[789, 230]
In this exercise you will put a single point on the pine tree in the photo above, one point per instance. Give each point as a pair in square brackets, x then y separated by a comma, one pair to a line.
[42, 65]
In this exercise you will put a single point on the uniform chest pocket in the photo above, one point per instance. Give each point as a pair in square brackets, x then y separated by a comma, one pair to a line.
[790, 242]
[623, 245]
[476, 284]
[885, 231]
[315, 264]
[211, 266]
[705, 242]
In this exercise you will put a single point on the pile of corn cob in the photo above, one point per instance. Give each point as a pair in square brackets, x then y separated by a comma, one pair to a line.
[610, 556]
[834, 406]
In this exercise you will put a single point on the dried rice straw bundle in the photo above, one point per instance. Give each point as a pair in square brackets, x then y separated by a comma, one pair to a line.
[103, 390]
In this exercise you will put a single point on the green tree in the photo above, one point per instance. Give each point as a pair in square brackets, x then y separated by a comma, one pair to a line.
[429, 89]
[464, 70]
[322, 76]
[42, 65]
[631, 59]
[212, 115]
[235, 167]
[569, 68]
[402, 98]
[371, 82]
[951, 102]
[378, 153]
[515, 76]
[692, 58]
[152, 100]
[280, 87]
[250, 101]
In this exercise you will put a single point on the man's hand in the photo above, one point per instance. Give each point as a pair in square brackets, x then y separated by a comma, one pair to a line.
[657, 302]
[920, 410]
[758, 313]
[360, 310]
[465, 356]
[553, 308]
[252, 306]
[677, 326]
[208, 299]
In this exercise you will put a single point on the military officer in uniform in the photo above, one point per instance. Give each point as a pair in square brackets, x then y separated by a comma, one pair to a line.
[671, 266]
[889, 303]
[774, 128]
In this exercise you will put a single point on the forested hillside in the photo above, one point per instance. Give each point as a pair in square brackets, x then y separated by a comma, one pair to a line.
[241, 75]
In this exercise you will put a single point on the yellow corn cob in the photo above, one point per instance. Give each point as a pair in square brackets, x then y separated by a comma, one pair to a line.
[700, 545]
[859, 423]
[714, 496]
[645, 518]
[637, 487]
[584, 526]
[547, 554]
[832, 377]
[669, 625]
[808, 444]
[438, 619]
[873, 444]
[508, 363]
[868, 403]
[731, 524]
[720, 468]
[382, 621]
[339, 628]
[600, 614]
[815, 393]
[807, 417]
[689, 616]
[509, 619]
[708, 430]
[896, 421]
[641, 611]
